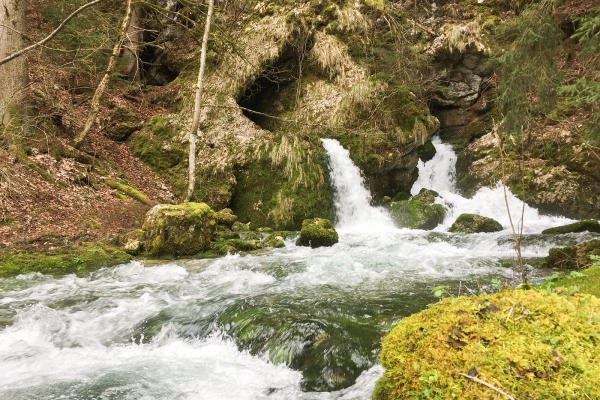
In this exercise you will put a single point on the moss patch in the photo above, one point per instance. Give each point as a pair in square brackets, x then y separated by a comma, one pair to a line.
[573, 257]
[317, 232]
[129, 191]
[590, 225]
[530, 344]
[415, 214]
[75, 259]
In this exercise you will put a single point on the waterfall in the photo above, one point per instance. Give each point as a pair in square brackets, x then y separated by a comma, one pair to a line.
[352, 200]
[439, 174]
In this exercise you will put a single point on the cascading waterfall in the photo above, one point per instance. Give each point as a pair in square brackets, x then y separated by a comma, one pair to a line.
[290, 323]
[352, 200]
[439, 174]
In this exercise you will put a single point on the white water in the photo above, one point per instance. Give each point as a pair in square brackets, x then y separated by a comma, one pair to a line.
[241, 326]
[439, 174]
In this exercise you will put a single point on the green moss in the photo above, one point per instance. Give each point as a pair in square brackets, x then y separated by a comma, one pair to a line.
[275, 240]
[415, 214]
[43, 173]
[573, 257]
[589, 225]
[400, 196]
[317, 232]
[530, 344]
[426, 196]
[473, 223]
[129, 191]
[76, 259]
[426, 151]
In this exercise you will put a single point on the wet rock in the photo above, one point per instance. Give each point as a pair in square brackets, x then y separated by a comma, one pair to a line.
[418, 213]
[233, 246]
[473, 223]
[589, 225]
[426, 151]
[134, 242]
[239, 227]
[401, 196]
[317, 232]
[275, 240]
[573, 257]
[426, 196]
[179, 230]
[225, 217]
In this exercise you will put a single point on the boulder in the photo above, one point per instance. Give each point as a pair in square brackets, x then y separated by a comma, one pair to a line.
[225, 217]
[317, 232]
[415, 214]
[134, 242]
[473, 223]
[590, 225]
[426, 196]
[573, 257]
[179, 230]
[529, 343]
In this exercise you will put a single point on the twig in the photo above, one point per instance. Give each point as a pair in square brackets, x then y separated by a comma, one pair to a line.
[510, 312]
[474, 379]
[50, 36]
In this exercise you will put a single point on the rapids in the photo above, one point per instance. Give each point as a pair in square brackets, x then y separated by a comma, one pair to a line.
[290, 323]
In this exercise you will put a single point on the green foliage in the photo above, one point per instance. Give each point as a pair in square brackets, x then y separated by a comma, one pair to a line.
[588, 32]
[529, 71]
[531, 344]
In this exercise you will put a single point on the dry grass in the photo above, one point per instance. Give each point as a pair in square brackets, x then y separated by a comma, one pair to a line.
[363, 96]
[331, 55]
[460, 37]
[351, 20]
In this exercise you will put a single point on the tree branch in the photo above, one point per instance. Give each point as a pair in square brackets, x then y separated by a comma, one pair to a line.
[50, 36]
[508, 396]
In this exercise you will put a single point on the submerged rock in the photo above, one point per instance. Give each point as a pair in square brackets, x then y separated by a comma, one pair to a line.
[573, 257]
[317, 232]
[590, 225]
[470, 335]
[418, 213]
[473, 223]
[179, 230]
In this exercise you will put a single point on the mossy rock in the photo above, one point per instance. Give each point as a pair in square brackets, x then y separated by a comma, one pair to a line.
[179, 230]
[426, 151]
[233, 246]
[573, 257]
[400, 196]
[122, 124]
[415, 214]
[426, 196]
[530, 344]
[590, 225]
[317, 232]
[134, 242]
[275, 240]
[239, 227]
[473, 223]
[225, 217]
[80, 259]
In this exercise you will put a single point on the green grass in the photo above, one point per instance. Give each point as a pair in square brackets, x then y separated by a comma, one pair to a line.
[584, 281]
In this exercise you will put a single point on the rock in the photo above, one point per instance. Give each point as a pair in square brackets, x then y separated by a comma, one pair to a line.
[426, 196]
[573, 257]
[179, 230]
[239, 227]
[416, 214]
[468, 334]
[590, 225]
[121, 124]
[426, 151]
[317, 232]
[401, 196]
[275, 240]
[225, 217]
[473, 223]
[134, 242]
[264, 229]
[233, 246]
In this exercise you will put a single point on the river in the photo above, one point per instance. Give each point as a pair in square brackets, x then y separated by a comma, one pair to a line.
[290, 323]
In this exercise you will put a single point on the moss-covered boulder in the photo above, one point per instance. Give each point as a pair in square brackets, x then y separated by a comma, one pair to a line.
[134, 242]
[473, 223]
[317, 232]
[226, 217]
[415, 214]
[120, 124]
[234, 246]
[590, 225]
[426, 151]
[530, 344]
[426, 196]
[274, 240]
[573, 257]
[179, 230]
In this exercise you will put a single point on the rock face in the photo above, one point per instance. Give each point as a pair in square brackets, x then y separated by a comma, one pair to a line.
[590, 225]
[317, 232]
[573, 257]
[418, 213]
[473, 223]
[179, 230]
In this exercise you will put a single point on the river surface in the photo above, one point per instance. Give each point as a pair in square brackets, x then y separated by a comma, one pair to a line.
[291, 323]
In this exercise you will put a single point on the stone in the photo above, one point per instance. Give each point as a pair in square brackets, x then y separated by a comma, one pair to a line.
[239, 227]
[121, 124]
[179, 230]
[402, 196]
[573, 257]
[416, 214]
[473, 223]
[426, 151]
[426, 196]
[225, 217]
[317, 232]
[134, 242]
[590, 225]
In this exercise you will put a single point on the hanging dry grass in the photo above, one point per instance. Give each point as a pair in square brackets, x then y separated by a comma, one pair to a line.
[331, 55]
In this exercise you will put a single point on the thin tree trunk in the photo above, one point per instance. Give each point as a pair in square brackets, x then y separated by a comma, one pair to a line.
[12, 76]
[131, 52]
[198, 105]
[95, 107]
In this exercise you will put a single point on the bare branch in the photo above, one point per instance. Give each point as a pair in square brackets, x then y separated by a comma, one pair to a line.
[51, 35]
[484, 383]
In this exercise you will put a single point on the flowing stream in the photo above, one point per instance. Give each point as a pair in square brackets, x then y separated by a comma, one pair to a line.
[291, 323]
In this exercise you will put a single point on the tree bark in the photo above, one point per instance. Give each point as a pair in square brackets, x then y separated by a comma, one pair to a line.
[95, 106]
[198, 104]
[12, 76]
[131, 52]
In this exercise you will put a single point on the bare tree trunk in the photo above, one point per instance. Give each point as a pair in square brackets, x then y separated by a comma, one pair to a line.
[131, 52]
[12, 75]
[95, 106]
[198, 104]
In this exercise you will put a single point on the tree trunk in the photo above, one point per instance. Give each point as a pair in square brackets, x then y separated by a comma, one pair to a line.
[198, 104]
[12, 74]
[95, 106]
[131, 52]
